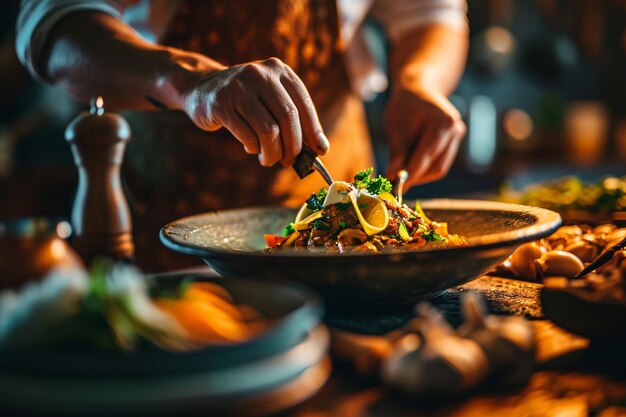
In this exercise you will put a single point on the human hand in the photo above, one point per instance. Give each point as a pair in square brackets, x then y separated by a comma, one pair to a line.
[425, 131]
[264, 105]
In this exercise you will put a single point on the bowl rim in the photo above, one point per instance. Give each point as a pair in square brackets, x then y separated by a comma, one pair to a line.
[175, 235]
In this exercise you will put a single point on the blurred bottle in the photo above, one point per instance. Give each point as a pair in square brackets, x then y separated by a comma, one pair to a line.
[30, 248]
[586, 125]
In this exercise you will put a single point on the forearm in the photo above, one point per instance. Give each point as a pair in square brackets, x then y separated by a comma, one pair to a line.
[431, 57]
[90, 54]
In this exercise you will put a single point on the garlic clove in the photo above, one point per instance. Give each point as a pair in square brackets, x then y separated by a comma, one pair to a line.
[560, 263]
[584, 250]
[616, 235]
[523, 260]
[603, 229]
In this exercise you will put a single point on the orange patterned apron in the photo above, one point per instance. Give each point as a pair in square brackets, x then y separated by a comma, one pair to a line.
[174, 169]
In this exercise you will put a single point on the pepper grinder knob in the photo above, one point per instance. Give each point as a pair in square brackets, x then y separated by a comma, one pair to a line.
[100, 216]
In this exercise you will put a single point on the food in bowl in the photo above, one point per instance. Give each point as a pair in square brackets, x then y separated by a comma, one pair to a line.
[578, 201]
[115, 307]
[361, 217]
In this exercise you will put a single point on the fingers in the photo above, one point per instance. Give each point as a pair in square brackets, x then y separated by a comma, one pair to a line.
[264, 105]
[266, 129]
[431, 144]
[312, 132]
[437, 163]
[285, 113]
[244, 133]
[441, 166]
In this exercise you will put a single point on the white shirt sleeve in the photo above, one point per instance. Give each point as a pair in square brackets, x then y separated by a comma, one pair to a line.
[400, 16]
[37, 17]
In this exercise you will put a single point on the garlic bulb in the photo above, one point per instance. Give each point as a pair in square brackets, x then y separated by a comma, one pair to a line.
[508, 341]
[435, 361]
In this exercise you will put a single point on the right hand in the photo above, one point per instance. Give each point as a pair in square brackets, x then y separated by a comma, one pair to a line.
[264, 105]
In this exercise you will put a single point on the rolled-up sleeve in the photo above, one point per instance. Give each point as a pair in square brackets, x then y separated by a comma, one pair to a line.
[401, 16]
[37, 18]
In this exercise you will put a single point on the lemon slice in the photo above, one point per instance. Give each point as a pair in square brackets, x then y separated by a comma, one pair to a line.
[304, 223]
[388, 197]
[371, 212]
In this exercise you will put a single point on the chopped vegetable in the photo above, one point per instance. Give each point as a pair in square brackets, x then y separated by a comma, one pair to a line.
[273, 241]
[420, 212]
[404, 233]
[316, 201]
[433, 236]
[115, 307]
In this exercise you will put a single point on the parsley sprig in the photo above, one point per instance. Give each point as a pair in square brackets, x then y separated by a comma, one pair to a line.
[316, 201]
[376, 185]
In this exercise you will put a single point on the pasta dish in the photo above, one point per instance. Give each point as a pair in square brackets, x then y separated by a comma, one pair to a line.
[362, 216]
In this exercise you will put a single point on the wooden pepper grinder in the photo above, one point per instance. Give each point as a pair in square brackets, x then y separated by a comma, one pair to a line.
[100, 217]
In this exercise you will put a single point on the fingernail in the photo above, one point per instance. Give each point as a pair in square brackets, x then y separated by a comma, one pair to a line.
[323, 143]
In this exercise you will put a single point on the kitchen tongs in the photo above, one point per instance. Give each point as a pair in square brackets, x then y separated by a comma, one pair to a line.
[307, 162]
[602, 259]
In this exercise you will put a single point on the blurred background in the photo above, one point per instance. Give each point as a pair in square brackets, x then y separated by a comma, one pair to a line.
[543, 94]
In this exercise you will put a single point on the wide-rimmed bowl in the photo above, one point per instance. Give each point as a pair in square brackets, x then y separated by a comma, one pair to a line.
[231, 241]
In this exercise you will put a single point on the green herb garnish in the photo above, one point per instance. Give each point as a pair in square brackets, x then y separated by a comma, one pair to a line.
[316, 201]
[376, 185]
[363, 175]
[433, 236]
[288, 229]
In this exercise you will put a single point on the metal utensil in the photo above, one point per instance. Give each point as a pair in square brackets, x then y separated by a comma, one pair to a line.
[604, 257]
[307, 162]
[403, 175]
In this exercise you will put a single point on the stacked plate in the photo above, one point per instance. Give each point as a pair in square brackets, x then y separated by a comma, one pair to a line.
[280, 368]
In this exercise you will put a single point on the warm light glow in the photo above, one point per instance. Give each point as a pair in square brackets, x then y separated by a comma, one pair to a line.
[518, 125]
[410, 342]
[97, 106]
[57, 248]
[611, 183]
[586, 127]
[64, 230]
[499, 40]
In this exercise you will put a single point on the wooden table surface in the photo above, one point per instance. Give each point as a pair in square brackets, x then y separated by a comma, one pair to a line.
[572, 377]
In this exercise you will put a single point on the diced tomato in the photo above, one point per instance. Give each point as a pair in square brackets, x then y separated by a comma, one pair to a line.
[274, 240]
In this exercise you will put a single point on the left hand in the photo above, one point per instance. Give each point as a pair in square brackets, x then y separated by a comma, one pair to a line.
[425, 131]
